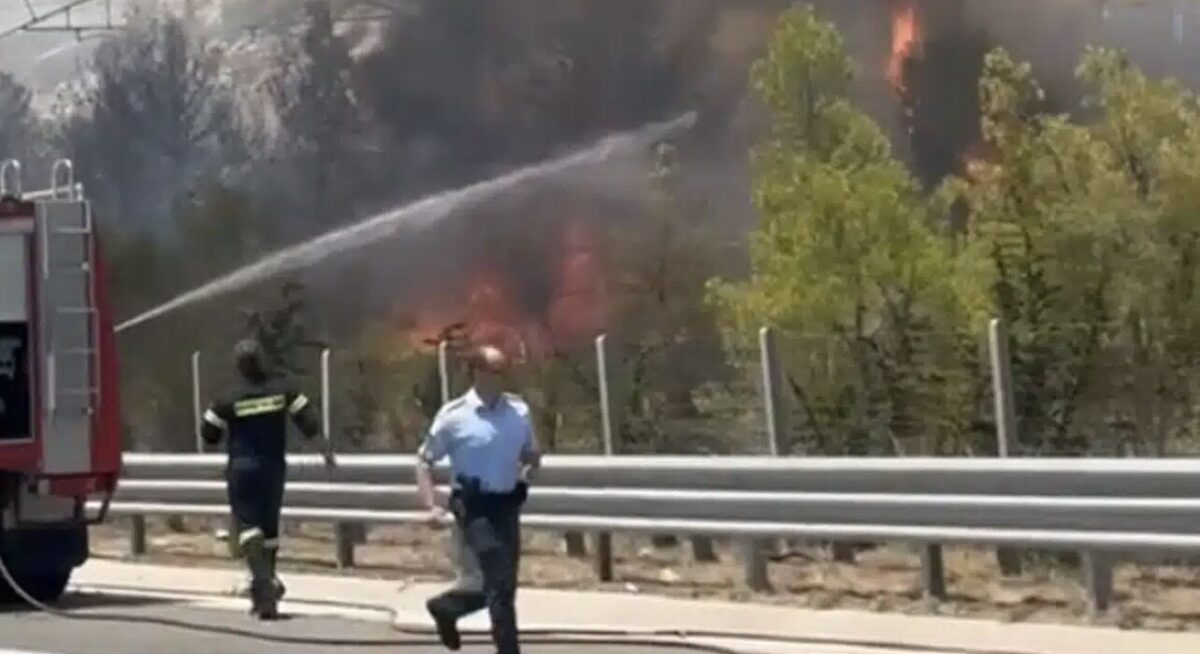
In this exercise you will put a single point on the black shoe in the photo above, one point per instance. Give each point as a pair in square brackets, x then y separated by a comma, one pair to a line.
[447, 628]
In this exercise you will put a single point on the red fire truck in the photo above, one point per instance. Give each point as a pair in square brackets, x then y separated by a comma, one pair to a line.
[60, 443]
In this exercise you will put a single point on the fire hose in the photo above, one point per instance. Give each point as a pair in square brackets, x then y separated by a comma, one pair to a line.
[675, 639]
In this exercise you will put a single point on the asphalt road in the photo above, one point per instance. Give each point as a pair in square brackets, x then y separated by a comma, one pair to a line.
[28, 632]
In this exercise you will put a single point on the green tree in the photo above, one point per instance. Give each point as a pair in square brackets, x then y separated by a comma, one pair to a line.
[667, 334]
[318, 116]
[1059, 224]
[848, 255]
[1153, 128]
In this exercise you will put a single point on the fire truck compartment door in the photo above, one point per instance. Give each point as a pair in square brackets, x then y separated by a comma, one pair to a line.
[68, 323]
[16, 401]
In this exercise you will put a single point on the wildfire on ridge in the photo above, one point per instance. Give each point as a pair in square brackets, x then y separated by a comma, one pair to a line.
[490, 313]
[906, 37]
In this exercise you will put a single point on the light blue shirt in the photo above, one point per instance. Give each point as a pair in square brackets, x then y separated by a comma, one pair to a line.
[484, 443]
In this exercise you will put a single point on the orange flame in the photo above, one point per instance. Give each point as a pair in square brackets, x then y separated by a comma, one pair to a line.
[491, 314]
[906, 36]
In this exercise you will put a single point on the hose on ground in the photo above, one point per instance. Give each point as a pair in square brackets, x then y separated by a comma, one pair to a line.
[675, 639]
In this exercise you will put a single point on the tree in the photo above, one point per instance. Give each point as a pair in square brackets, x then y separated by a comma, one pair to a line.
[1058, 222]
[156, 119]
[281, 331]
[577, 82]
[17, 121]
[1153, 128]
[524, 78]
[847, 257]
[667, 335]
[318, 116]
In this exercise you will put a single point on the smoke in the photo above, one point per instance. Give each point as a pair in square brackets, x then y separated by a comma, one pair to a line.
[414, 216]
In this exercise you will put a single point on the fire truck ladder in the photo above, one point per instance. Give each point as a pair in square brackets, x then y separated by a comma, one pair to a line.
[73, 380]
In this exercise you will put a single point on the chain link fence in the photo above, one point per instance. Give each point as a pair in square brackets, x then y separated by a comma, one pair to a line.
[1114, 389]
[925, 393]
[1079, 390]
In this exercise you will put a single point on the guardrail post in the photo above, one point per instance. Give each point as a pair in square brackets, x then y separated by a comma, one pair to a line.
[603, 553]
[933, 572]
[234, 544]
[1006, 421]
[1098, 575]
[754, 556]
[754, 552]
[137, 536]
[576, 544]
[344, 538]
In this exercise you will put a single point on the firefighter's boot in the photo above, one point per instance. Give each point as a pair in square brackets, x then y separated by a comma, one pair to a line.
[263, 604]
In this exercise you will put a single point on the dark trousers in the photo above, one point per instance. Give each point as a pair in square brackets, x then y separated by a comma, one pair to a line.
[493, 533]
[256, 500]
[256, 496]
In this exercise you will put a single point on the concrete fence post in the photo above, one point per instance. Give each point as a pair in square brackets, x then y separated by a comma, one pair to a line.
[1007, 558]
[603, 543]
[772, 389]
[197, 408]
[345, 534]
[754, 551]
[175, 522]
[443, 354]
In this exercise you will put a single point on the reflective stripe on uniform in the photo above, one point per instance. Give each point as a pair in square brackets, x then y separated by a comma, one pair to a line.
[271, 543]
[298, 404]
[258, 406]
[253, 533]
[215, 420]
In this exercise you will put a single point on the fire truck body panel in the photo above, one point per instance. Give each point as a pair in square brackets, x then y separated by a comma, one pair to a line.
[20, 447]
[59, 414]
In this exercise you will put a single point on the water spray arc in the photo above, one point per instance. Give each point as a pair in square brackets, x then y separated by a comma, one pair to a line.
[414, 216]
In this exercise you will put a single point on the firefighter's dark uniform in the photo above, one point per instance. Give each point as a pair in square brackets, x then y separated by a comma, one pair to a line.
[485, 445]
[255, 420]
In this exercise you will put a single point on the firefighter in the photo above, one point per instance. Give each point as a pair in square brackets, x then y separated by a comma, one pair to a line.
[489, 439]
[254, 418]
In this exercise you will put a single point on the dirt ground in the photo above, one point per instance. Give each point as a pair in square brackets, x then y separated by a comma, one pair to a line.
[885, 579]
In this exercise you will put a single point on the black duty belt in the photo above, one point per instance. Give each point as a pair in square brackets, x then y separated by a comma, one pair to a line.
[475, 500]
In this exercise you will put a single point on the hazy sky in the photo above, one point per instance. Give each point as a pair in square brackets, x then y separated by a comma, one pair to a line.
[34, 57]
[1162, 40]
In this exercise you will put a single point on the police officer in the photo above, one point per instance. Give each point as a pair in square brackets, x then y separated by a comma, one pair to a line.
[254, 417]
[489, 439]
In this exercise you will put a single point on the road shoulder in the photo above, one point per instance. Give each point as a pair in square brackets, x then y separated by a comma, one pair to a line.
[558, 611]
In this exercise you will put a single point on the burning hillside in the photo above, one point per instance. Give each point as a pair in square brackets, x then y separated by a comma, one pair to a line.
[495, 307]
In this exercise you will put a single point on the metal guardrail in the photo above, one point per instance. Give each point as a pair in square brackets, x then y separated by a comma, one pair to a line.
[1105, 508]
[1120, 478]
